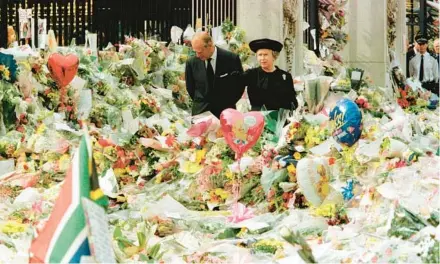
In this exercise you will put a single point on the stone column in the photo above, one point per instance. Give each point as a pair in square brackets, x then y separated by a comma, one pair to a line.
[401, 34]
[367, 46]
[298, 68]
[262, 19]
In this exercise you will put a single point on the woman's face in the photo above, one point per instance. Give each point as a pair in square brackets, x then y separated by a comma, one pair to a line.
[265, 58]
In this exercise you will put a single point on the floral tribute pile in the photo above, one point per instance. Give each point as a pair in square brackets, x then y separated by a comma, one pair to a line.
[173, 181]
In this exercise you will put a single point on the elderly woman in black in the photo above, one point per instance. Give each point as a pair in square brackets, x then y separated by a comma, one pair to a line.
[268, 85]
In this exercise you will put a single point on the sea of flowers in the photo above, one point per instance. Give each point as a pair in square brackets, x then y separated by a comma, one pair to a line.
[302, 196]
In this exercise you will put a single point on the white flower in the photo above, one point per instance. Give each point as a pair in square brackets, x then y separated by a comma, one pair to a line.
[285, 232]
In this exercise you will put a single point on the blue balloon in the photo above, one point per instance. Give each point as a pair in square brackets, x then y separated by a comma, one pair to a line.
[347, 118]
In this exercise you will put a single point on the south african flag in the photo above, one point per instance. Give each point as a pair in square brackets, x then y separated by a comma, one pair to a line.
[64, 237]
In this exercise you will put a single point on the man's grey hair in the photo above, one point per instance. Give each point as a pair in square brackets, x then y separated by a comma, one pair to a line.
[205, 37]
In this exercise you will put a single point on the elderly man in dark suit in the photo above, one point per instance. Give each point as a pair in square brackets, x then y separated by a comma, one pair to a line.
[212, 77]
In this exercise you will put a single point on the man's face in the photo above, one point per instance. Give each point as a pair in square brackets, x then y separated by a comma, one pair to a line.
[417, 46]
[437, 46]
[423, 47]
[202, 50]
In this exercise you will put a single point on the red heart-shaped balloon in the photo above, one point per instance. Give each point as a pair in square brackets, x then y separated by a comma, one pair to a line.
[63, 68]
[241, 131]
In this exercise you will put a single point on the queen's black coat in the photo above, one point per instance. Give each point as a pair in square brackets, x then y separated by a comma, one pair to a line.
[273, 90]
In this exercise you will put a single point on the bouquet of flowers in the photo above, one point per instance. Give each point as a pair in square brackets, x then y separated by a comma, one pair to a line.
[9, 99]
[234, 36]
[268, 246]
[197, 257]
[148, 106]
[335, 213]
[405, 224]
[126, 249]
[297, 131]
[315, 135]
[9, 143]
[104, 114]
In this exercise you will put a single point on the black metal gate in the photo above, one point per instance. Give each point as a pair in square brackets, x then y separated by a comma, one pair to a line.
[111, 19]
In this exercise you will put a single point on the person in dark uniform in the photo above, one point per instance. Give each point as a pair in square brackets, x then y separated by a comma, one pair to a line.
[212, 77]
[268, 85]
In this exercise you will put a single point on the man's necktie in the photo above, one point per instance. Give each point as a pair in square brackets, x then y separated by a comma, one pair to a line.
[421, 70]
[210, 74]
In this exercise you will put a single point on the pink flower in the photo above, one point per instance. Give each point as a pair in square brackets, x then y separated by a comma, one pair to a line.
[389, 252]
[37, 207]
[240, 213]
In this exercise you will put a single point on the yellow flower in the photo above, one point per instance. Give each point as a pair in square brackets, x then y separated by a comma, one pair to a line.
[41, 129]
[297, 156]
[243, 231]
[99, 157]
[158, 178]
[64, 162]
[325, 210]
[167, 132]
[229, 174]
[200, 155]
[7, 73]
[269, 243]
[119, 172]
[222, 193]
[291, 169]
[11, 227]
[191, 167]
[2, 67]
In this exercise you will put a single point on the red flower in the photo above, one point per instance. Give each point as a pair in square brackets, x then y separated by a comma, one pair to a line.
[104, 143]
[120, 153]
[170, 140]
[271, 194]
[400, 164]
[331, 161]
[20, 129]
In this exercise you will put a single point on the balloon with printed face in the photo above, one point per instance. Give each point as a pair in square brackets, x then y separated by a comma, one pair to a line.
[63, 68]
[346, 119]
[241, 131]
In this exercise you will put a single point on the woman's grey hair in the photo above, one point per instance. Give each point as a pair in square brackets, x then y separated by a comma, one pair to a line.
[275, 54]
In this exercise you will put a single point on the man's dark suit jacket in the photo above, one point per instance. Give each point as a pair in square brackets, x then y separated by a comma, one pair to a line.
[226, 90]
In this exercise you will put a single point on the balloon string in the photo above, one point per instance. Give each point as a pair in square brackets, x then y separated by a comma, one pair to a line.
[63, 95]
[236, 186]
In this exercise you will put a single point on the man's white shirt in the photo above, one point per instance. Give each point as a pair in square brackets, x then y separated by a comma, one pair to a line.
[213, 60]
[430, 67]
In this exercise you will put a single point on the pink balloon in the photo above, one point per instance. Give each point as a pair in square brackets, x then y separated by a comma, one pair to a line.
[241, 131]
[63, 68]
